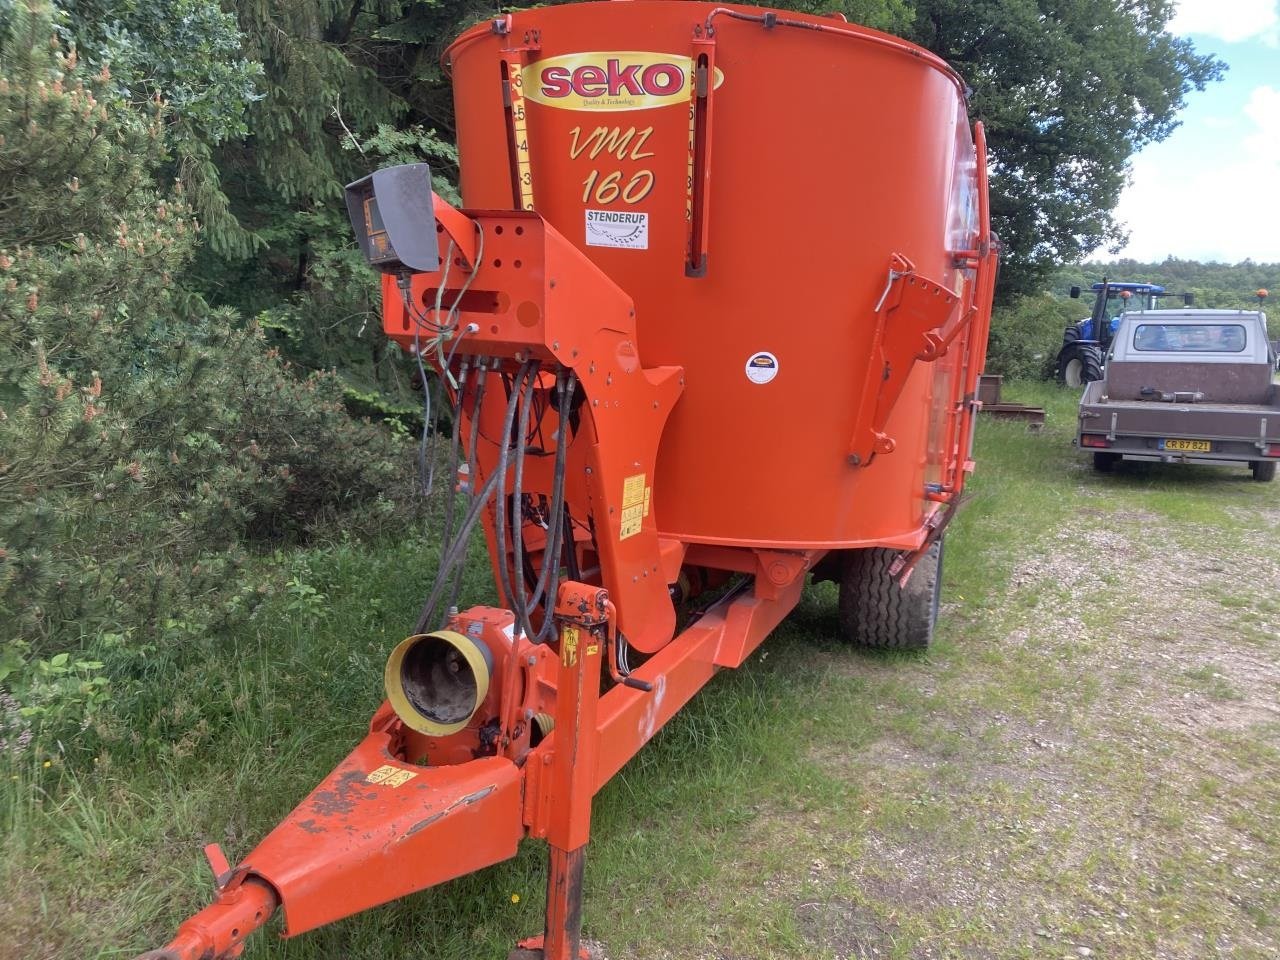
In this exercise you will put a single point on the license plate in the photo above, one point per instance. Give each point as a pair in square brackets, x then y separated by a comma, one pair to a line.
[1190, 446]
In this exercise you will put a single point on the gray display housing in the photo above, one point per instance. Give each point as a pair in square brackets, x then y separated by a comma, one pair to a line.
[394, 219]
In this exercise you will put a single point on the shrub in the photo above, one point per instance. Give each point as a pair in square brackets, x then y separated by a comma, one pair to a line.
[1025, 337]
[146, 440]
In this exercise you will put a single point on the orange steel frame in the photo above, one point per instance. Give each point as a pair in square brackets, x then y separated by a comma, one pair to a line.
[383, 824]
[403, 811]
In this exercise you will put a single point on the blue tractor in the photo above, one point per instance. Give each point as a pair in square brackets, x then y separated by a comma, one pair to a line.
[1084, 344]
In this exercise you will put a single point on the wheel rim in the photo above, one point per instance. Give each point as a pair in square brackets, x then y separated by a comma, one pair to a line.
[1072, 373]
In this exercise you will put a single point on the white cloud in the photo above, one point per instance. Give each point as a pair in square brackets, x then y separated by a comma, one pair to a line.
[1229, 20]
[1263, 108]
[1227, 211]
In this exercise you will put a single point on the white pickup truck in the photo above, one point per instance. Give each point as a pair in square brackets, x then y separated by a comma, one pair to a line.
[1186, 386]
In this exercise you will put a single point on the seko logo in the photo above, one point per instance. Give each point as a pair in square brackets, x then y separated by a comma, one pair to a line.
[611, 80]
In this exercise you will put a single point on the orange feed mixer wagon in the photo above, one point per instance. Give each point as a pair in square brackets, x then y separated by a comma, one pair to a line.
[710, 322]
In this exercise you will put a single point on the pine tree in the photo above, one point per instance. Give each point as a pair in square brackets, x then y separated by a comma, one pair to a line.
[145, 438]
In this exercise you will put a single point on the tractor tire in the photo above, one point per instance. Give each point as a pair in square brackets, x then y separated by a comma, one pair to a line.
[1105, 462]
[877, 613]
[1264, 471]
[1078, 364]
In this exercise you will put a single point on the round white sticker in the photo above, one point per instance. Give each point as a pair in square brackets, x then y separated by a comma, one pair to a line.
[762, 367]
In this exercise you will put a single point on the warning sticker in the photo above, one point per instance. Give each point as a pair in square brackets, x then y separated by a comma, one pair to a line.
[762, 367]
[633, 503]
[569, 646]
[390, 776]
[625, 229]
[633, 490]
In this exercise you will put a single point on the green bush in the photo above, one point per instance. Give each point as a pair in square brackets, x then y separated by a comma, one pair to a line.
[146, 441]
[1025, 337]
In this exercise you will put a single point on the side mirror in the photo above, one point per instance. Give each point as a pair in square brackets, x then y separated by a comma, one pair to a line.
[393, 216]
[1075, 293]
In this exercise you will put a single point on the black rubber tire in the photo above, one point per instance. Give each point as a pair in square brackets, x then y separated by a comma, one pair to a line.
[1065, 356]
[1078, 364]
[1105, 462]
[1091, 361]
[877, 613]
[1264, 471]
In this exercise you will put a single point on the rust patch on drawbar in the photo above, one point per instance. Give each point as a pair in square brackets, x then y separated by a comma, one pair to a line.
[342, 797]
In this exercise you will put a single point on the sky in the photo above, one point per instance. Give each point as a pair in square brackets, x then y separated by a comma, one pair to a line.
[1211, 191]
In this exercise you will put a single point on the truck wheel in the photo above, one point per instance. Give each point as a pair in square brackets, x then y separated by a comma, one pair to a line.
[1264, 471]
[1105, 462]
[875, 612]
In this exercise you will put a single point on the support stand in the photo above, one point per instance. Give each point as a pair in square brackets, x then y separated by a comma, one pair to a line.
[564, 791]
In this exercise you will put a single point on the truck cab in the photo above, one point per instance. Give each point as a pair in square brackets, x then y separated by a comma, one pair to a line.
[1186, 386]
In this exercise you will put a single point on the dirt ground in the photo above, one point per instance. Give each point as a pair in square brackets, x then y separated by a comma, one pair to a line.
[1098, 778]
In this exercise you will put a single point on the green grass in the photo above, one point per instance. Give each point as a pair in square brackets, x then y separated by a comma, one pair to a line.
[1067, 767]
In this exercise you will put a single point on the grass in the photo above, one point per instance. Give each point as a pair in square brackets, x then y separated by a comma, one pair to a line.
[1085, 759]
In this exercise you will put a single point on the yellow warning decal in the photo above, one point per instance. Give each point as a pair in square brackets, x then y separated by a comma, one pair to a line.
[390, 776]
[648, 491]
[633, 491]
[632, 521]
[593, 649]
[569, 646]
[633, 506]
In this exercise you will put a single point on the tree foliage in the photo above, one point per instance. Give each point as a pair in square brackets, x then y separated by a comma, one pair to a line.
[1068, 91]
[146, 440]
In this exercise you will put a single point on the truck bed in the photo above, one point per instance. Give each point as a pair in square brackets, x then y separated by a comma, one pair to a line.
[1138, 428]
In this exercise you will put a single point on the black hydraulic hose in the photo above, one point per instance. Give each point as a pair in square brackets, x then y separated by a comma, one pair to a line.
[455, 436]
[472, 469]
[482, 386]
[549, 576]
[519, 398]
[450, 494]
[518, 596]
[457, 550]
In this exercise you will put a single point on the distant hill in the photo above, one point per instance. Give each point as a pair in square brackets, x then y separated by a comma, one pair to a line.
[1214, 284]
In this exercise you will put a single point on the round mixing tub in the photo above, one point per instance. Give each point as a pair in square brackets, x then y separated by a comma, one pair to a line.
[748, 183]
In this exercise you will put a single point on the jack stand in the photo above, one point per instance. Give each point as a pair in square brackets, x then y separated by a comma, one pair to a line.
[564, 797]
[563, 937]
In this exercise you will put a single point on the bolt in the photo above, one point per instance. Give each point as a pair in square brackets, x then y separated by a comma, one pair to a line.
[532, 660]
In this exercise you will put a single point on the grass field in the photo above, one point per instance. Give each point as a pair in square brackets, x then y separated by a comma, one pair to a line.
[1087, 764]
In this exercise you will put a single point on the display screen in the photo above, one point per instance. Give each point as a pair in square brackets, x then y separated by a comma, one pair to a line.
[379, 245]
